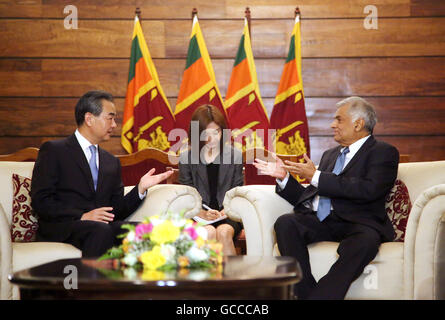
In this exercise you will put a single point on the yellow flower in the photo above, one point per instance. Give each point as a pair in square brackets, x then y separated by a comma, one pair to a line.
[126, 245]
[153, 259]
[152, 275]
[165, 232]
[215, 246]
[200, 242]
[183, 261]
[183, 272]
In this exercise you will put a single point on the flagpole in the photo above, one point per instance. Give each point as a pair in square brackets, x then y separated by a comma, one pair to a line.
[138, 13]
[248, 17]
[297, 14]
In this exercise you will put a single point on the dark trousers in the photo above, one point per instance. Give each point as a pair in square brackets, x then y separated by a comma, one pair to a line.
[95, 238]
[358, 246]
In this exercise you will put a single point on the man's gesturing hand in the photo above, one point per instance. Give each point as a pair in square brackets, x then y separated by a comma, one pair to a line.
[303, 170]
[149, 180]
[274, 169]
[99, 214]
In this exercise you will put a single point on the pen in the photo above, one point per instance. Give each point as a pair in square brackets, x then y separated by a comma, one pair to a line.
[206, 207]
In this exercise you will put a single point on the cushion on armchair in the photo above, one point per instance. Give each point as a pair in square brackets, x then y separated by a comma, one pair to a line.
[24, 221]
[398, 206]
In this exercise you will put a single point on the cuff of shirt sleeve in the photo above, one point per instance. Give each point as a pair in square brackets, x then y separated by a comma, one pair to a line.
[315, 178]
[282, 183]
[142, 195]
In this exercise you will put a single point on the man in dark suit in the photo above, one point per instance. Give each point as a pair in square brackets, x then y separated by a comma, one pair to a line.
[345, 201]
[76, 187]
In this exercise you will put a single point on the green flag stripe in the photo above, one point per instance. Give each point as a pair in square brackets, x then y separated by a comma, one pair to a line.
[193, 53]
[241, 54]
[291, 54]
[136, 54]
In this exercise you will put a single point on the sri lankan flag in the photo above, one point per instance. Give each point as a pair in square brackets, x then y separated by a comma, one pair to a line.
[244, 106]
[198, 84]
[147, 114]
[289, 114]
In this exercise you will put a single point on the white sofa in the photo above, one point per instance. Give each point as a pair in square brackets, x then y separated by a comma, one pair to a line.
[413, 269]
[18, 256]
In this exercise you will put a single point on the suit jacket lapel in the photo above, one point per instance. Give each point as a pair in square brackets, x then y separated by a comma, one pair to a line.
[329, 164]
[368, 143]
[102, 165]
[79, 157]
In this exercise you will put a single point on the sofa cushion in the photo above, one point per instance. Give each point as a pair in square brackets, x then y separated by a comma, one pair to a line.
[31, 254]
[381, 279]
[398, 206]
[24, 221]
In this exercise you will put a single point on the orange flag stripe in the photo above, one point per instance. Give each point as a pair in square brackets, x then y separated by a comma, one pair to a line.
[289, 78]
[239, 79]
[141, 78]
[194, 78]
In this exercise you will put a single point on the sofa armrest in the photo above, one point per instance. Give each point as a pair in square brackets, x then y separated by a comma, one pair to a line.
[5, 256]
[168, 197]
[424, 248]
[258, 207]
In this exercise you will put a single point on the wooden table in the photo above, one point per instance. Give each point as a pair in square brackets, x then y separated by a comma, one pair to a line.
[240, 277]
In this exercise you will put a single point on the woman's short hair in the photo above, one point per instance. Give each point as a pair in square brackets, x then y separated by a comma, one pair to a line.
[204, 115]
[360, 108]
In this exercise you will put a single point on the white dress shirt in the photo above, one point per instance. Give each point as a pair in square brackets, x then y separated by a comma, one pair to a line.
[85, 145]
[353, 149]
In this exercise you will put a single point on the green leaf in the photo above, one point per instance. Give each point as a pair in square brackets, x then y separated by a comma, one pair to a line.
[112, 253]
[129, 227]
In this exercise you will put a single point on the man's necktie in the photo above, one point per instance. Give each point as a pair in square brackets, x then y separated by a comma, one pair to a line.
[324, 204]
[93, 165]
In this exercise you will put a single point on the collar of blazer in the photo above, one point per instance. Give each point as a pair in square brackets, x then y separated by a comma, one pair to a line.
[329, 164]
[368, 144]
[79, 157]
[228, 153]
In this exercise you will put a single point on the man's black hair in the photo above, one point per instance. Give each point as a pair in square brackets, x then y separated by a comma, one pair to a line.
[90, 102]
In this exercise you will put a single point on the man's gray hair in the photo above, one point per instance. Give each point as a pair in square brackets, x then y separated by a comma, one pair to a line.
[360, 108]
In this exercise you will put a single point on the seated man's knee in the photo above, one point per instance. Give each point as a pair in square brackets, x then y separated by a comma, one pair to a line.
[103, 230]
[283, 222]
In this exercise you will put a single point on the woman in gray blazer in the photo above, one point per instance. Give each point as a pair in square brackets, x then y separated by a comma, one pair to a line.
[213, 167]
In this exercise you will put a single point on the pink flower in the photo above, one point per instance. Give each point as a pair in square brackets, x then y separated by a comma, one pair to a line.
[142, 229]
[192, 232]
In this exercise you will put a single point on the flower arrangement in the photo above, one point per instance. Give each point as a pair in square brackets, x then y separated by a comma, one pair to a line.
[166, 243]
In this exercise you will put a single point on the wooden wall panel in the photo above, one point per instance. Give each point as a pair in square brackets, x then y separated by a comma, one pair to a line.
[222, 9]
[419, 76]
[270, 38]
[398, 67]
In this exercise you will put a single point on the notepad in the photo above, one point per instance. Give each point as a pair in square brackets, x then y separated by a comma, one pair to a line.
[205, 222]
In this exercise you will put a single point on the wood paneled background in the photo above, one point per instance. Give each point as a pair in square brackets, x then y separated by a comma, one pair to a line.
[399, 67]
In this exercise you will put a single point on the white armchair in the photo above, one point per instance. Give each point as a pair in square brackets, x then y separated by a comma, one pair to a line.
[413, 269]
[18, 256]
